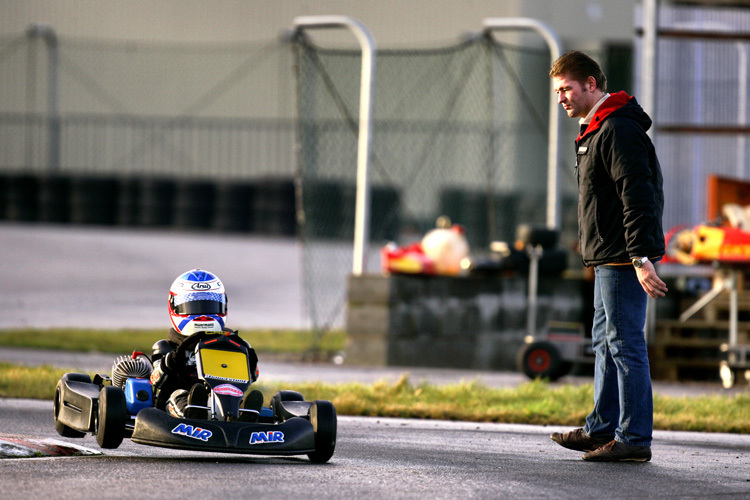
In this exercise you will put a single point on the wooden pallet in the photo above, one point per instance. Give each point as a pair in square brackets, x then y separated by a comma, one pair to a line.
[690, 350]
[718, 309]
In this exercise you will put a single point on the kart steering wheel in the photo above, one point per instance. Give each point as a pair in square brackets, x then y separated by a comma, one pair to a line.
[189, 343]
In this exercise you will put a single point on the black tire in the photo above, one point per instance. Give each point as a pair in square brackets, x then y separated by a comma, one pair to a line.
[281, 396]
[111, 417]
[289, 396]
[536, 235]
[60, 427]
[323, 420]
[541, 360]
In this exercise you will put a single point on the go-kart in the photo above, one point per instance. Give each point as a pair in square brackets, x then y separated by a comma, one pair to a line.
[122, 405]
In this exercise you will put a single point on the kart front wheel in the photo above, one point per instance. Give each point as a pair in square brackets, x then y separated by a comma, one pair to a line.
[323, 419]
[111, 417]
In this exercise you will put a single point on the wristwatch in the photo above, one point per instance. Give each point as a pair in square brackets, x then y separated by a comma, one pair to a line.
[639, 261]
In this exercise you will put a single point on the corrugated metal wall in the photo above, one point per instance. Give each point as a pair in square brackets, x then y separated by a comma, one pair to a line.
[701, 115]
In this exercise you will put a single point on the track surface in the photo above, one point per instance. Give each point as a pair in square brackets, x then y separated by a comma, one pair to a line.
[58, 276]
[102, 277]
[375, 458]
[381, 458]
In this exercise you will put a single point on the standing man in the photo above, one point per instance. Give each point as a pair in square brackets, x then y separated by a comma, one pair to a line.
[620, 203]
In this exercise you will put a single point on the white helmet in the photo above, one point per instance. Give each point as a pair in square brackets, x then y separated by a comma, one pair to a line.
[197, 303]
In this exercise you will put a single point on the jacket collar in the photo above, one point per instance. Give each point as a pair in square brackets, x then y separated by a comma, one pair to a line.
[611, 104]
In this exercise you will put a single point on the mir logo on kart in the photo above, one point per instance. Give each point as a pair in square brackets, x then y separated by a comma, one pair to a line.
[267, 437]
[192, 432]
[228, 390]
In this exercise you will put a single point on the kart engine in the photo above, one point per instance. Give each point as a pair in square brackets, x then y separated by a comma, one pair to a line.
[135, 366]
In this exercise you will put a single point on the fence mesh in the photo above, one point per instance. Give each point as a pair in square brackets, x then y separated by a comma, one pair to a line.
[193, 111]
[458, 131]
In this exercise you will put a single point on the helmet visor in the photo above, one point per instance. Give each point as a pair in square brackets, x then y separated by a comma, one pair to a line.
[199, 303]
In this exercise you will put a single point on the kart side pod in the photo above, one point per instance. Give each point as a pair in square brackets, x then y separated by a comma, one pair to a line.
[76, 402]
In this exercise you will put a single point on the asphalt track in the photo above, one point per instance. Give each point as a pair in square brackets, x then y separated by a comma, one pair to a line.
[55, 276]
[375, 458]
[104, 277]
[381, 458]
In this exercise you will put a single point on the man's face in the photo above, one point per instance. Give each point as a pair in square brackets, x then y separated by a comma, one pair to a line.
[575, 97]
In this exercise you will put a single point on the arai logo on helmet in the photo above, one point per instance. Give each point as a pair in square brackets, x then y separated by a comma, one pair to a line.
[228, 390]
[201, 286]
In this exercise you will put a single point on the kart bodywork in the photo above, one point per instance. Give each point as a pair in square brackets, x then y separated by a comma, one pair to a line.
[288, 426]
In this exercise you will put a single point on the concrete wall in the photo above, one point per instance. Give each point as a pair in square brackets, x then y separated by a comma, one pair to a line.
[474, 322]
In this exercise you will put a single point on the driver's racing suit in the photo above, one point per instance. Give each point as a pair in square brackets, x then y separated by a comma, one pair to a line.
[175, 372]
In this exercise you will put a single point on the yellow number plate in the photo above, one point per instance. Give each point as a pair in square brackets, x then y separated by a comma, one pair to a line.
[224, 364]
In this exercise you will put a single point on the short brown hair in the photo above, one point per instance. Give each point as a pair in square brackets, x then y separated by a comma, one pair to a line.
[579, 67]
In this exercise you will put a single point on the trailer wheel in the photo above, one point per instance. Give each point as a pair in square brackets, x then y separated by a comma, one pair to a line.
[323, 419]
[111, 417]
[541, 360]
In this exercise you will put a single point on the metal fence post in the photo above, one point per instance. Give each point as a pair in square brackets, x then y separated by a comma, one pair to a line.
[553, 153]
[47, 33]
[367, 43]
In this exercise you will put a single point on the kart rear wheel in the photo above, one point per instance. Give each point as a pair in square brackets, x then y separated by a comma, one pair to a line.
[60, 427]
[323, 419]
[278, 399]
[111, 417]
[289, 396]
[541, 360]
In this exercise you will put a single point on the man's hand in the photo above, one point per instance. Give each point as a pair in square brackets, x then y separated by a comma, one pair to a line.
[650, 281]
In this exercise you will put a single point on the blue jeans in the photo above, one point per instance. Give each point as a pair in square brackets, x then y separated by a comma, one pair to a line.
[623, 403]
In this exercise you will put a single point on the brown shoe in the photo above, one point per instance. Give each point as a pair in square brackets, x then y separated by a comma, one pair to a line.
[615, 451]
[578, 440]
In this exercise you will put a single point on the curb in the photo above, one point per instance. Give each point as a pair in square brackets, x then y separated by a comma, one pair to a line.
[24, 447]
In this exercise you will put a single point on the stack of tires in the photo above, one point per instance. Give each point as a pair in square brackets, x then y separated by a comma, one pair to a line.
[265, 206]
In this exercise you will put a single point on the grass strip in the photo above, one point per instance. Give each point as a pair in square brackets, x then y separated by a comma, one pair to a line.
[533, 402]
[125, 341]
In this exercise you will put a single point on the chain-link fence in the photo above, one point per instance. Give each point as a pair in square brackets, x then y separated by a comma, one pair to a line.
[458, 131]
[147, 134]
[216, 111]
[213, 135]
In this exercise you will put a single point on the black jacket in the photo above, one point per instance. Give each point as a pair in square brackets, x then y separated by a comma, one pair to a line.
[620, 195]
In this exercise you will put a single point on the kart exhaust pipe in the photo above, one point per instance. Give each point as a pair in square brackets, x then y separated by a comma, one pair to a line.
[135, 366]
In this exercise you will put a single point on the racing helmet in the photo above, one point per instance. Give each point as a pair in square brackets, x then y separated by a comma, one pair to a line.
[197, 303]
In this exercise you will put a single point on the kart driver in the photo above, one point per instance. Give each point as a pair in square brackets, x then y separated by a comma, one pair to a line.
[197, 304]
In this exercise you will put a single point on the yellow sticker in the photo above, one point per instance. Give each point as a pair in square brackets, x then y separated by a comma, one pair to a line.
[224, 364]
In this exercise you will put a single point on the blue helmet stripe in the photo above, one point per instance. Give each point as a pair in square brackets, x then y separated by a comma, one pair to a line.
[198, 275]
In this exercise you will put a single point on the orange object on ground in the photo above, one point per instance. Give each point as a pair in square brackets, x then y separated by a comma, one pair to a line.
[709, 244]
[409, 260]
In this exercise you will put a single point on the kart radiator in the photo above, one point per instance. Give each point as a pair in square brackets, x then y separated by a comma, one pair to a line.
[125, 367]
